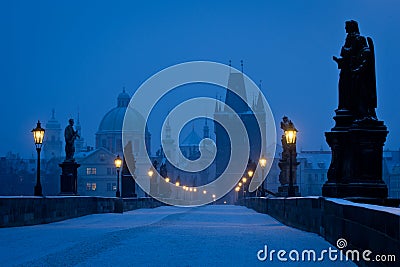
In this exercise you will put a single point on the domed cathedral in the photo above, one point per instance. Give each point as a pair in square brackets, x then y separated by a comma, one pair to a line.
[109, 135]
[97, 174]
[255, 131]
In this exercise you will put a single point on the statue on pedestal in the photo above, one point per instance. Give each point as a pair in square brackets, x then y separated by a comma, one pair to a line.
[69, 174]
[358, 137]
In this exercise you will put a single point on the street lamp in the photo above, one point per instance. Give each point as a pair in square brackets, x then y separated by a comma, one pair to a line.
[118, 163]
[263, 163]
[38, 134]
[290, 134]
[244, 180]
[237, 189]
[167, 179]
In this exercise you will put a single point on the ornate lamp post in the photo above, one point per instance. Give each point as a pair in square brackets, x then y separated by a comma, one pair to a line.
[38, 134]
[263, 163]
[118, 163]
[290, 134]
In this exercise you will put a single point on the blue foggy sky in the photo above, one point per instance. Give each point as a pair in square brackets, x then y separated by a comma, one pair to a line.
[72, 55]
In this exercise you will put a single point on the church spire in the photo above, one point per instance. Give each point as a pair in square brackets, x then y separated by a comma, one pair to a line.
[206, 130]
[167, 130]
[260, 103]
[217, 108]
[236, 87]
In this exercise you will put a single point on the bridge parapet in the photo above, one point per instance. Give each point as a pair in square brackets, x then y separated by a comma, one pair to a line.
[363, 226]
[21, 211]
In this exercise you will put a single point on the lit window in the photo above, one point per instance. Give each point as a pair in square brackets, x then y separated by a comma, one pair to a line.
[93, 186]
[91, 171]
[114, 187]
[88, 186]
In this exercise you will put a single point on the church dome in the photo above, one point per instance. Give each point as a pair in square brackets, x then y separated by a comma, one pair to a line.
[114, 119]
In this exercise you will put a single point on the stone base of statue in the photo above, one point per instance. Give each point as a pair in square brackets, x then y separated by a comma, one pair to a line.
[356, 165]
[283, 191]
[69, 178]
[128, 186]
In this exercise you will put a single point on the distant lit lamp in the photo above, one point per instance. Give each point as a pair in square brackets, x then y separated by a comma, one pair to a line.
[250, 173]
[118, 163]
[167, 179]
[237, 189]
[263, 163]
[177, 183]
[38, 135]
[290, 135]
[244, 180]
[150, 173]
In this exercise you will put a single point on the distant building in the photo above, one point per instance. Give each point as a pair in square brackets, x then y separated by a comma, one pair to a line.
[52, 144]
[256, 132]
[109, 134]
[190, 149]
[17, 175]
[97, 174]
[312, 171]
[391, 172]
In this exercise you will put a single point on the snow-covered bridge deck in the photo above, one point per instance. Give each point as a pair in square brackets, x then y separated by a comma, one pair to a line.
[166, 236]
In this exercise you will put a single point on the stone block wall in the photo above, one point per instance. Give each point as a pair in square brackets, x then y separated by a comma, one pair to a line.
[20, 211]
[364, 226]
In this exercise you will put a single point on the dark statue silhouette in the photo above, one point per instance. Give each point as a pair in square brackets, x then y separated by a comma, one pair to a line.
[357, 83]
[70, 135]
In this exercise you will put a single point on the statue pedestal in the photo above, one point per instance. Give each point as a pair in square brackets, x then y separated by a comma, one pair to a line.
[356, 165]
[128, 186]
[69, 178]
[283, 191]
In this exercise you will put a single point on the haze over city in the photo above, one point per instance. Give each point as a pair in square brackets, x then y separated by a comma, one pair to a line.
[76, 57]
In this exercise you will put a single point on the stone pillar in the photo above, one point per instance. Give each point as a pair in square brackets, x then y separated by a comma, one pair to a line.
[356, 166]
[284, 166]
[69, 178]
